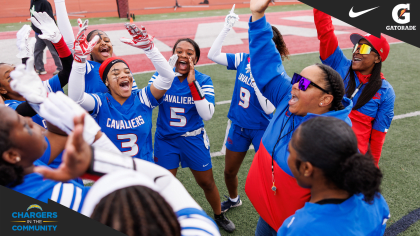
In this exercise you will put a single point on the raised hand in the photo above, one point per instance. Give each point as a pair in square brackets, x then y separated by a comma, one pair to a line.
[191, 74]
[49, 29]
[258, 8]
[140, 37]
[231, 18]
[76, 157]
[82, 48]
[172, 62]
[27, 83]
[60, 110]
[23, 43]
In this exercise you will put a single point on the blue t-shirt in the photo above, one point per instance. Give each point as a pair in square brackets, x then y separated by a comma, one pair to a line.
[93, 81]
[177, 113]
[70, 194]
[352, 217]
[128, 126]
[52, 85]
[245, 109]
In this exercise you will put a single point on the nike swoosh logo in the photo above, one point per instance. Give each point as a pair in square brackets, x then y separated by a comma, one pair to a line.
[206, 165]
[158, 178]
[353, 14]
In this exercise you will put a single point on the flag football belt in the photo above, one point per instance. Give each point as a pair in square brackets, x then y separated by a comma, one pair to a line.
[197, 132]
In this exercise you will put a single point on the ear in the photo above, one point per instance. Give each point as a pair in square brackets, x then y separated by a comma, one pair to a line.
[11, 156]
[3, 90]
[307, 169]
[377, 59]
[326, 100]
[106, 82]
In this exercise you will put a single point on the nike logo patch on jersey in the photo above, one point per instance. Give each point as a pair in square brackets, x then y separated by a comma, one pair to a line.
[377, 96]
[353, 14]
[206, 165]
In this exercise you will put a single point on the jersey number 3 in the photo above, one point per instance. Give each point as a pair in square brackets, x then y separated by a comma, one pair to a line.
[131, 143]
[244, 95]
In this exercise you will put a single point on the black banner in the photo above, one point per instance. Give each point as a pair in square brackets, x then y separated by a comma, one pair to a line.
[23, 215]
[397, 18]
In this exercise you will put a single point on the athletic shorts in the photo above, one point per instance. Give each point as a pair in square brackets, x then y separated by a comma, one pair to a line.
[189, 151]
[239, 138]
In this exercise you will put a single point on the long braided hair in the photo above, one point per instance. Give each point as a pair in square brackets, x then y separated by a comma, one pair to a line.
[280, 44]
[137, 210]
[10, 174]
[375, 83]
[335, 85]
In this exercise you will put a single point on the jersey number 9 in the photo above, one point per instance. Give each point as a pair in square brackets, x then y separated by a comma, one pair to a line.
[244, 95]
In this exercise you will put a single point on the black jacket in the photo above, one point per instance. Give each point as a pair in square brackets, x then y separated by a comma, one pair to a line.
[41, 6]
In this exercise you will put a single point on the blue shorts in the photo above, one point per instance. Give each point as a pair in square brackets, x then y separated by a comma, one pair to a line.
[239, 138]
[189, 151]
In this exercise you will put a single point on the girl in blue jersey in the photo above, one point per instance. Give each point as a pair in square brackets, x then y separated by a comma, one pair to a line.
[102, 51]
[250, 112]
[23, 145]
[344, 183]
[180, 135]
[124, 114]
[318, 89]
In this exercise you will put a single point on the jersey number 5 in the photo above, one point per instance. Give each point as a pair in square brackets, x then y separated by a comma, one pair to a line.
[131, 143]
[182, 119]
[244, 95]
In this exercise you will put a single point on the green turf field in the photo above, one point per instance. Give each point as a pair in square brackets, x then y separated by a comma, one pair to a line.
[174, 15]
[400, 156]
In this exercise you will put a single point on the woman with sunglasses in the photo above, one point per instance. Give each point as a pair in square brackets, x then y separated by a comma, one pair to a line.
[373, 97]
[318, 89]
[344, 184]
[250, 112]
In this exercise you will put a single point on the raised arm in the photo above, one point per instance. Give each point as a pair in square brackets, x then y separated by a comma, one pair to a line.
[215, 54]
[63, 22]
[329, 51]
[266, 63]
[144, 41]
[76, 89]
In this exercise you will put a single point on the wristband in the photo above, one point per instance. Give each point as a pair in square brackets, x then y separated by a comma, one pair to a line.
[61, 48]
[196, 91]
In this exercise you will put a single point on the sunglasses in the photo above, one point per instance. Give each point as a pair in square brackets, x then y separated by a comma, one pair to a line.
[363, 48]
[304, 83]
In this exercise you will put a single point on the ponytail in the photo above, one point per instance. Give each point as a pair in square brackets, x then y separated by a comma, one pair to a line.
[280, 44]
[360, 175]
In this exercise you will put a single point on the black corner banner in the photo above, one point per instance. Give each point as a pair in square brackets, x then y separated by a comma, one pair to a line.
[397, 18]
[23, 215]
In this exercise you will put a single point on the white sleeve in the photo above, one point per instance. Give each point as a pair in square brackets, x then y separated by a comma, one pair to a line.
[204, 108]
[76, 89]
[215, 54]
[166, 74]
[63, 23]
[266, 105]
[106, 144]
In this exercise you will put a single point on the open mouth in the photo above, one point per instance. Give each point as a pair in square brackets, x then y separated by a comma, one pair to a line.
[125, 85]
[356, 59]
[293, 100]
[104, 51]
[183, 65]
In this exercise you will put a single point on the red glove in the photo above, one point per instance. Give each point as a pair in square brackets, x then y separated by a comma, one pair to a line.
[82, 48]
[140, 37]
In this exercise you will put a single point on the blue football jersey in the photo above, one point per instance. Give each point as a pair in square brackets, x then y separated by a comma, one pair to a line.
[69, 194]
[52, 85]
[128, 126]
[245, 109]
[177, 113]
[93, 81]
